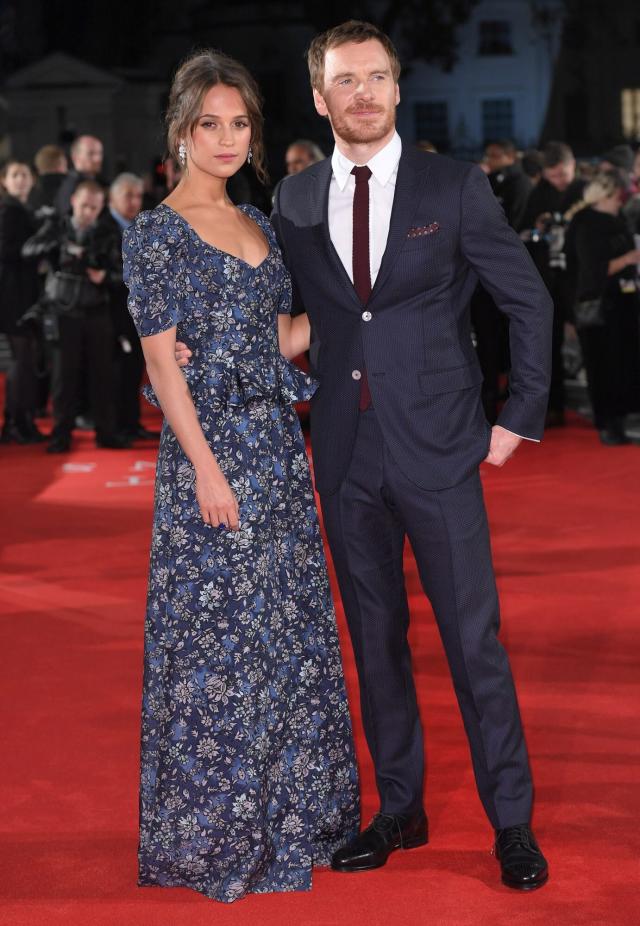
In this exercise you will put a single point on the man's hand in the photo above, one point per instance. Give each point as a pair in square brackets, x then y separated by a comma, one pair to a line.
[96, 276]
[182, 354]
[503, 445]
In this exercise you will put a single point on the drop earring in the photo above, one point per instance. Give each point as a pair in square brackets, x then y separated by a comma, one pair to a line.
[250, 155]
[182, 153]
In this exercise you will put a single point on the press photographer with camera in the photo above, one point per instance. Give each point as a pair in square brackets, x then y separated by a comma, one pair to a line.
[543, 230]
[82, 260]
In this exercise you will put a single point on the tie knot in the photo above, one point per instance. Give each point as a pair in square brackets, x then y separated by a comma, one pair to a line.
[361, 174]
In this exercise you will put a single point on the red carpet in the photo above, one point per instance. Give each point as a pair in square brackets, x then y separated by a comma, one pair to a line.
[566, 530]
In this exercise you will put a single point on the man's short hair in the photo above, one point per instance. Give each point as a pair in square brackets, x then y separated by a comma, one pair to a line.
[504, 144]
[47, 159]
[78, 142]
[556, 152]
[91, 186]
[352, 31]
[125, 179]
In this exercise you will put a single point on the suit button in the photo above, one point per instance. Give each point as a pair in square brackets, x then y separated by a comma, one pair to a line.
[366, 316]
[356, 374]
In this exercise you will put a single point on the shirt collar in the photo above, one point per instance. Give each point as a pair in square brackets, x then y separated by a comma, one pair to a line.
[382, 165]
[120, 219]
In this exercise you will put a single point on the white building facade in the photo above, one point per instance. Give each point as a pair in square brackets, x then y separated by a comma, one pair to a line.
[499, 87]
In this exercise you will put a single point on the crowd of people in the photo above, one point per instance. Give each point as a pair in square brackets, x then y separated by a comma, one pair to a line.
[63, 302]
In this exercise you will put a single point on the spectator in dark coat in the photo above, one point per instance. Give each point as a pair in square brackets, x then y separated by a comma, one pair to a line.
[86, 156]
[18, 292]
[602, 262]
[543, 230]
[51, 164]
[125, 201]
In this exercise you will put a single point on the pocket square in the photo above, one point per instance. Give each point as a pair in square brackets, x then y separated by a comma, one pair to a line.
[419, 230]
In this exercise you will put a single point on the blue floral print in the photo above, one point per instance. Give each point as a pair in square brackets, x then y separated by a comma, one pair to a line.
[248, 775]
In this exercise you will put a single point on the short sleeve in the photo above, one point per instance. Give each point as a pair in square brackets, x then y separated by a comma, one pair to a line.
[153, 268]
[284, 296]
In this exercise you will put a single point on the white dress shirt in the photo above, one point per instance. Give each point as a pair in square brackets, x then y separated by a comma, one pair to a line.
[382, 187]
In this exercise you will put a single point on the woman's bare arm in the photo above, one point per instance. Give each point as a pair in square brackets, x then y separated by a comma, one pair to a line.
[217, 502]
[294, 335]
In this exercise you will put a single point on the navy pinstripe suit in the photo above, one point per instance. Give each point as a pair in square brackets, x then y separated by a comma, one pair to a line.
[409, 466]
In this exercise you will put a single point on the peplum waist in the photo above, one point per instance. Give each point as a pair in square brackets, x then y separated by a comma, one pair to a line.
[236, 381]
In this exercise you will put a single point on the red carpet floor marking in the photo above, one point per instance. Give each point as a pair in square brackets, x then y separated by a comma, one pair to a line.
[566, 531]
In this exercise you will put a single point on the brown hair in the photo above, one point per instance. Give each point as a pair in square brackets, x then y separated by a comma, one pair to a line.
[352, 31]
[195, 76]
[556, 152]
[48, 158]
[4, 170]
[91, 186]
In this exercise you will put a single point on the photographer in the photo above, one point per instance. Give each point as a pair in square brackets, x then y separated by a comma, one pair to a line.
[77, 322]
[18, 292]
[543, 229]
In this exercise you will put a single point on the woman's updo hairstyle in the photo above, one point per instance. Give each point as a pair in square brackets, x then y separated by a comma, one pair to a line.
[194, 78]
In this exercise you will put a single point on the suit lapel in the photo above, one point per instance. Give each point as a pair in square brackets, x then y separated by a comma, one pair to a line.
[319, 201]
[408, 195]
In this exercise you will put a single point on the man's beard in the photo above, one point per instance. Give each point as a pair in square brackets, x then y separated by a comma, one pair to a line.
[364, 131]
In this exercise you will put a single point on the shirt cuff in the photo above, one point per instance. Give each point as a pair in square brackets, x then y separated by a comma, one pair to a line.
[534, 440]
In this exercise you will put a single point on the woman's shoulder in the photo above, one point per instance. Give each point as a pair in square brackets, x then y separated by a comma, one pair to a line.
[258, 216]
[159, 229]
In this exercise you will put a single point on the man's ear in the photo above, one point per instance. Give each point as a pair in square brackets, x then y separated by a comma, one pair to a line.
[397, 94]
[319, 102]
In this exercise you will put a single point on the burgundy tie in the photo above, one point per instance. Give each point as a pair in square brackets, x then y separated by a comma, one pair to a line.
[361, 271]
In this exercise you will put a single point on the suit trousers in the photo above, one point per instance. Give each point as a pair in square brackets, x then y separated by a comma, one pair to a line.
[128, 374]
[367, 521]
[85, 343]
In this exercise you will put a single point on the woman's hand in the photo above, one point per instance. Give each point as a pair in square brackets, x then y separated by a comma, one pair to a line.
[218, 505]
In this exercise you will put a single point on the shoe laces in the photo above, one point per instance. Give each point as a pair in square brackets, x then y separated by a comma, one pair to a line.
[519, 837]
[384, 822]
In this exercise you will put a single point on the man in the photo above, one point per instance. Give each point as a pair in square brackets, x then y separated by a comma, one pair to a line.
[511, 188]
[125, 201]
[384, 244]
[298, 156]
[86, 156]
[83, 261]
[302, 154]
[543, 227]
[508, 180]
[51, 164]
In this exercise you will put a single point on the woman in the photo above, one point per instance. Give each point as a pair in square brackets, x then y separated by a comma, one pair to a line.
[18, 292]
[602, 259]
[248, 772]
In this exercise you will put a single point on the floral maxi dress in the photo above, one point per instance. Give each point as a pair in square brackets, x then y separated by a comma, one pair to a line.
[248, 775]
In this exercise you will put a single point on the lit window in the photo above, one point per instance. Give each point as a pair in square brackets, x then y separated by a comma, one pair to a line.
[495, 37]
[497, 119]
[432, 123]
[631, 113]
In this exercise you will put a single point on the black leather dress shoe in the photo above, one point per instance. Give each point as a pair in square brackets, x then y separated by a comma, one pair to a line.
[61, 443]
[385, 834]
[112, 442]
[142, 434]
[523, 865]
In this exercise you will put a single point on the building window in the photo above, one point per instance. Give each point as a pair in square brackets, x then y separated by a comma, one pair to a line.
[495, 37]
[497, 119]
[432, 124]
[631, 113]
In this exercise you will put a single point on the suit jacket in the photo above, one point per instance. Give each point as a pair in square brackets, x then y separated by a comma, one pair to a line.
[446, 232]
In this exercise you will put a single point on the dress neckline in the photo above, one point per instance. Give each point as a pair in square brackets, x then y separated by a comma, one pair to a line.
[207, 244]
